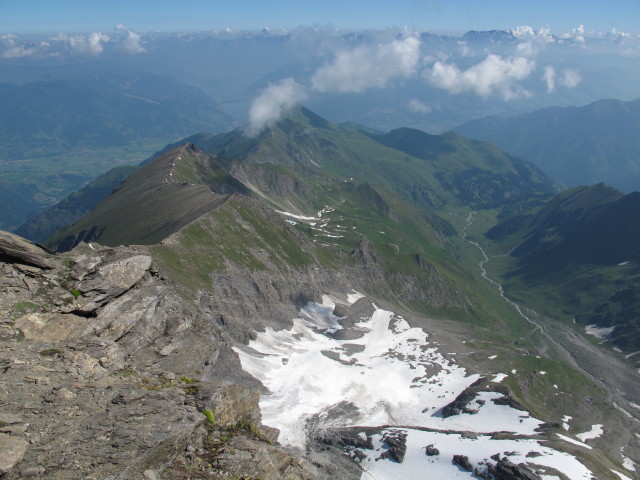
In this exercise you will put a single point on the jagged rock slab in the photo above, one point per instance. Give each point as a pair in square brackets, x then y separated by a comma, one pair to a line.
[21, 250]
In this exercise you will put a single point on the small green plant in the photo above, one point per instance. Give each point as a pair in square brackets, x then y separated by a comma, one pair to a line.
[75, 292]
[24, 306]
[189, 380]
[211, 419]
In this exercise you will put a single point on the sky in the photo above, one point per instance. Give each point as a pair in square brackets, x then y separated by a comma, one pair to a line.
[438, 16]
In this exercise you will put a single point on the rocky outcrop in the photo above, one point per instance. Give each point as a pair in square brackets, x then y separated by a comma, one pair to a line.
[506, 470]
[462, 401]
[16, 249]
[396, 442]
[463, 462]
[106, 370]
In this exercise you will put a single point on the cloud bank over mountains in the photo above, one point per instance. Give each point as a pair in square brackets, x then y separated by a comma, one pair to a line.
[64, 44]
[381, 65]
[418, 74]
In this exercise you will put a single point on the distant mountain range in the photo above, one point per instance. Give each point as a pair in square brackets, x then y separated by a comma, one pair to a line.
[599, 142]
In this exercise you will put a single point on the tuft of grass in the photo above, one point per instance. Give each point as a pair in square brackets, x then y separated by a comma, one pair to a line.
[75, 292]
[24, 306]
[189, 380]
[211, 419]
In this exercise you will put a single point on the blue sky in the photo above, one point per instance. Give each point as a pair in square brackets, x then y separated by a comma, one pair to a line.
[81, 16]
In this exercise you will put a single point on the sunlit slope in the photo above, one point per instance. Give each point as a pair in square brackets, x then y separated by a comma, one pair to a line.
[152, 203]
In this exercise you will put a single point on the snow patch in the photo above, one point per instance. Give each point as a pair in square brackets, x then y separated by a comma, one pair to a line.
[417, 465]
[575, 442]
[354, 297]
[621, 475]
[389, 375]
[565, 422]
[499, 377]
[595, 432]
[628, 464]
[599, 332]
[492, 357]
[293, 215]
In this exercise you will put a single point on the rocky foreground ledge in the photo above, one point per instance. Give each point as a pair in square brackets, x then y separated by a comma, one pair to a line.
[109, 372]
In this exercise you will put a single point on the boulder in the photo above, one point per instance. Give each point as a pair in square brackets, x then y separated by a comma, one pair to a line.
[506, 470]
[12, 449]
[397, 443]
[17, 249]
[431, 451]
[463, 462]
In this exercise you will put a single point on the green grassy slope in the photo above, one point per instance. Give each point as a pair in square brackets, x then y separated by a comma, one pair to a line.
[577, 258]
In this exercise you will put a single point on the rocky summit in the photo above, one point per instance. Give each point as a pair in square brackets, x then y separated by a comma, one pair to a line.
[108, 372]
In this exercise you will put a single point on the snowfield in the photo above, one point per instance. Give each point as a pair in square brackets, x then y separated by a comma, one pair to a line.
[390, 374]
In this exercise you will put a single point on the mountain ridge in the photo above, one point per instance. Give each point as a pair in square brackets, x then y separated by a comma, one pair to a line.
[594, 143]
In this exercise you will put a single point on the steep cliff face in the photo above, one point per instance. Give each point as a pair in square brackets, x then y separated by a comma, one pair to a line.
[106, 370]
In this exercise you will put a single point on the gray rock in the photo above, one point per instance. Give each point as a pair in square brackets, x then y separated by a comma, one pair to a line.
[396, 441]
[12, 449]
[506, 470]
[463, 462]
[20, 250]
[431, 451]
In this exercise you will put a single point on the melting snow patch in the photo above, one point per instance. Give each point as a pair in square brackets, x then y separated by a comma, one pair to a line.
[565, 422]
[390, 375]
[595, 432]
[571, 440]
[621, 475]
[354, 297]
[292, 222]
[298, 217]
[622, 264]
[492, 357]
[599, 332]
[417, 465]
[499, 377]
[628, 464]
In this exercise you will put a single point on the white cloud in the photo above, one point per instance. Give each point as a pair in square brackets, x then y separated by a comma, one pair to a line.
[527, 33]
[570, 78]
[91, 44]
[549, 76]
[368, 66]
[18, 50]
[416, 105]
[131, 44]
[576, 35]
[272, 103]
[495, 75]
